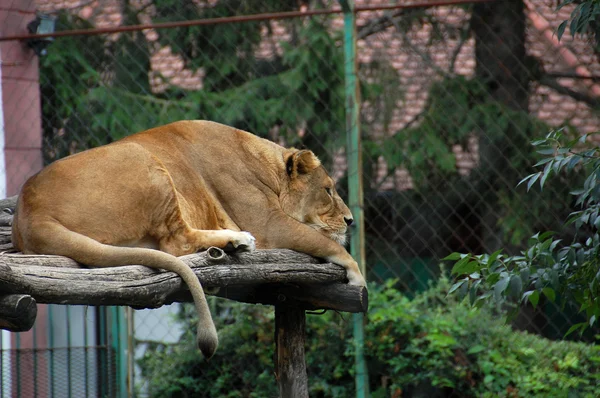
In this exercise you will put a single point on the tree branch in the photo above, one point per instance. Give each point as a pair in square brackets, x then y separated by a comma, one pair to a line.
[548, 81]
[377, 25]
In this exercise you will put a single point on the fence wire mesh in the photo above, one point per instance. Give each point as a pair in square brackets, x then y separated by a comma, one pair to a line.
[451, 96]
[59, 372]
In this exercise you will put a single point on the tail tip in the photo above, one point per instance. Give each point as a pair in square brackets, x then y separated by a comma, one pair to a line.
[207, 343]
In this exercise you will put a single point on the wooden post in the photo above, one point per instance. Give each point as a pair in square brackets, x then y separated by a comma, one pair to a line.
[290, 365]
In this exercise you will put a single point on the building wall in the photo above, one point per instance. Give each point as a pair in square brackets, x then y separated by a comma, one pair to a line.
[20, 157]
[22, 138]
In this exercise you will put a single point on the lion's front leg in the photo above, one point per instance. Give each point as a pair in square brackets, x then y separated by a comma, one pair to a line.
[352, 271]
[187, 241]
[287, 233]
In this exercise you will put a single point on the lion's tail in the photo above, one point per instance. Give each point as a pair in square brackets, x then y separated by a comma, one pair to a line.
[93, 253]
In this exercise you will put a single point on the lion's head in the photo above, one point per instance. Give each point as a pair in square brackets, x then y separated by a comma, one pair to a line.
[311, 198]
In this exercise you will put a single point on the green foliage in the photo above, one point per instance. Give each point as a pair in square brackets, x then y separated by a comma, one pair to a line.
[97, 91]
[549, 266]
[226, 52]
[66, 75]
[429, 346]
[243, 365]
[458, 108]
[583, 17]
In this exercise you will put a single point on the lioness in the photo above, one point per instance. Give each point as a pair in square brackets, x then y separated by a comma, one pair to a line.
[182, 188]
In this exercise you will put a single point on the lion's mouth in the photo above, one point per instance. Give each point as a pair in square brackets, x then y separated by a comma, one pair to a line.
[339, 237]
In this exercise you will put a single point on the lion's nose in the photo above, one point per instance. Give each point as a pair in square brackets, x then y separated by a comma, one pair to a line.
[349, 221]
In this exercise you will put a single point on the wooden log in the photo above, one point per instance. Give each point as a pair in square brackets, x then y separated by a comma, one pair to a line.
[7, 209]
[290, 365]
[338, 296]
[17, 312]
[262, 276]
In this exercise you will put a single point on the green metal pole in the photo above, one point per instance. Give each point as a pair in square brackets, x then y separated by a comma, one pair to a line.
[119, 337]
[51, 346]
[355, 192]
[68, 325]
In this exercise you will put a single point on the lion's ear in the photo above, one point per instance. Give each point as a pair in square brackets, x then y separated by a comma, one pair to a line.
[301, 162]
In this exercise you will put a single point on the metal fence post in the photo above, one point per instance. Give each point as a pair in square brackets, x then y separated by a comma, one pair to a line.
[355, 192]
[119, 338]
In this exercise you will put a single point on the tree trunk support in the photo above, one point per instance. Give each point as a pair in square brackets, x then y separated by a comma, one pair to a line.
[290, 365]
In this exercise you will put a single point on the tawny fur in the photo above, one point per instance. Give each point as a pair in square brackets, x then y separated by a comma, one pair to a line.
[178, 189]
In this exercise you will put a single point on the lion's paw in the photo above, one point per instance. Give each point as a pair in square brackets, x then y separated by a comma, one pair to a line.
[241, 241]
[356, 279]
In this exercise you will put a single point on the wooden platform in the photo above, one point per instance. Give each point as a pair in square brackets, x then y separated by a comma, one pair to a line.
[290, 281]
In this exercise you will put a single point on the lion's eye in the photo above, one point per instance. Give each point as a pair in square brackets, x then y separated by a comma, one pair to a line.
[328, 190]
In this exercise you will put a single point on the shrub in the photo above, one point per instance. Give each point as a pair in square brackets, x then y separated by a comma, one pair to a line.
[429, 346]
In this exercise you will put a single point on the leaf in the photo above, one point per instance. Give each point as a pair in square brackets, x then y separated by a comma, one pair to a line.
[543, 162]
[515, 286]
[534, 298]
[493, 278]
[574, 328]
[463, 266]
[476, 349]
[549, 292]
[561, 29]
[453, 256]
[530, 176]
[533, 180]
[500, 287]
[564, 3]
[456, 286]
[574, 21]
[493, 257]
[545, 175]
[547, 151]
[472, 295]
[545, 235]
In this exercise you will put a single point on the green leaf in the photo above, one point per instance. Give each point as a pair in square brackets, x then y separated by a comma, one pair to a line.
[574, 328]
[573, 27]
[493, 278]
[533, 180]
[472, 295]
[564, 3]
[476, 349]
[463, 266]
[515, 286]
[453, 256]
[493, 257]
[456, 286]
[543, 162]
[549, 292]
[561, 29]
[500, 287]
[545, 175]
[534, 298]
[547, 151]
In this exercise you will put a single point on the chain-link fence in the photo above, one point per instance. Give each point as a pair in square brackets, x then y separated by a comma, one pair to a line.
[451, 96]
[69, 353]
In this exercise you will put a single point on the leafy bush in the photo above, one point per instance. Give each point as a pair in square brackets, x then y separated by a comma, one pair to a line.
[430, 346]
[565, 268]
